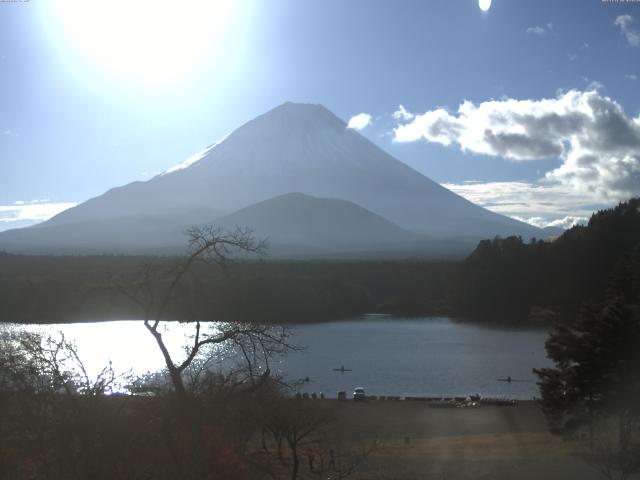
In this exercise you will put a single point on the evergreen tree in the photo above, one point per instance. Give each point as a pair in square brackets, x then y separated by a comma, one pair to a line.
[597, 359]
[509, 278]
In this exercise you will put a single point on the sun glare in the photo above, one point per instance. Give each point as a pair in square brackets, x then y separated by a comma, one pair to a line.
[148, 41]
[484, 5]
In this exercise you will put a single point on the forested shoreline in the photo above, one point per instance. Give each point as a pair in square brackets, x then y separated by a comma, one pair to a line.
[512, 279]
[504, 280]
[48, 289]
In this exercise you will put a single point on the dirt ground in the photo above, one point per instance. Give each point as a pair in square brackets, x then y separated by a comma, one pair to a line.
[490, 442]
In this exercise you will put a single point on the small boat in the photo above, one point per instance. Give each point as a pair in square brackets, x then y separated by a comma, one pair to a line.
[342, 369]
[509, 380]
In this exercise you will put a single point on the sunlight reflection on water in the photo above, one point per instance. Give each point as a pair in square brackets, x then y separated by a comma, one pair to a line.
[126, 344]
[388, 356]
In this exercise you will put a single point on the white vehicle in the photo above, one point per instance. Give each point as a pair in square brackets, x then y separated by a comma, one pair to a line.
[358, 393]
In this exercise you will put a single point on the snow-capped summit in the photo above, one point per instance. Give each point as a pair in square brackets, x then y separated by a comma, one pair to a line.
[298, 148]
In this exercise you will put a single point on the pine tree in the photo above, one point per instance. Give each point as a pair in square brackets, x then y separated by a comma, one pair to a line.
[597, 359]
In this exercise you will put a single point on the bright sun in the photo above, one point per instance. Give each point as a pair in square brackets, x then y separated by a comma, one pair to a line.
[484, 5]
[148, 41]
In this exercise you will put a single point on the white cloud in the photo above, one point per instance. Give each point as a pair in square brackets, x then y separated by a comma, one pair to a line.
[631, 34]
[434, 126]
[402, 114]
[597, 142]
[360, 121]
[10, 133]
[568, 222]
[564, 222]
[537, 30]
[631, 76]
[592, 84]
[540, 30]
[542, 205]
[36, 210]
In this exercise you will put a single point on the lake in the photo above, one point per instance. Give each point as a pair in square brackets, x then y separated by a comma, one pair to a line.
[386, 355]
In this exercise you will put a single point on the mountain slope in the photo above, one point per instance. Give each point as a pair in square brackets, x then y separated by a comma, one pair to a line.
[319, 224]
[141, 233]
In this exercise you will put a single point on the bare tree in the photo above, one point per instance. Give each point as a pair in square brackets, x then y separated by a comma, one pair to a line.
[299, 425]
[305, 439]
[153, 292]
[49, 403]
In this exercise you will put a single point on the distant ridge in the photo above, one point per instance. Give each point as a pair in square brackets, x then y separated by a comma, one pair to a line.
[320, 224]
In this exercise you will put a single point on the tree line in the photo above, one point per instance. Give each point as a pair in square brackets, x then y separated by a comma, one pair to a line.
[592, 393]
[51, 289]
[511, 280]
[503, 279]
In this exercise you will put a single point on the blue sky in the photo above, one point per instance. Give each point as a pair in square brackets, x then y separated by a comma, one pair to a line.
[95, 97]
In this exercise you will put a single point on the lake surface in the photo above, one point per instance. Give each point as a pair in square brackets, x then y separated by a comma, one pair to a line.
[387, 355]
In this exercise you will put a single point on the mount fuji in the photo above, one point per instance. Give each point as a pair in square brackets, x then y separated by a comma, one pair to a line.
[350, 195]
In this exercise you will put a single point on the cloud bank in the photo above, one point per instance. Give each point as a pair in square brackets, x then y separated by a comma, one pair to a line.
[544, 205]
[360, 121]
[21, 213]
[599, 145]
[565, 222]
